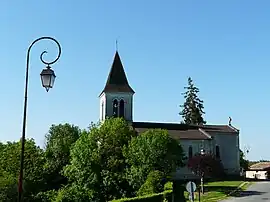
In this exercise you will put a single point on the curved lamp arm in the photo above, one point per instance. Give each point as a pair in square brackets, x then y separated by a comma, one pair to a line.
[44, 52]
[20, 183]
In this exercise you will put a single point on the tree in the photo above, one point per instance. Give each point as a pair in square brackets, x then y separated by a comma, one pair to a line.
[97, 162]
[192, 109]
[152, 150]
[205, 165]
[59, 141]
[10, 166]
[243, 162]
[8, 188]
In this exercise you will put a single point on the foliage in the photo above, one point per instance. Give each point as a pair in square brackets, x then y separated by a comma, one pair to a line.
[10, 166]
[153, 184]
[192, 109]
[8, 186]
[168, 186]
[73, 193]
[47, 196]
[97, 162]
[152, 150]
[59, 141]
[105, 162]
[206, 165]
[160, 197]
[243, 162]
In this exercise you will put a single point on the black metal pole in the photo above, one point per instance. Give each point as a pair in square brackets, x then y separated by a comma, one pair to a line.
[20, 183]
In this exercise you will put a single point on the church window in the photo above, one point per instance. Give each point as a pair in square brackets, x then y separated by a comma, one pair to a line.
[190, 152]
[217, 152]
[102, 111]
[115, 108]
[122, 108]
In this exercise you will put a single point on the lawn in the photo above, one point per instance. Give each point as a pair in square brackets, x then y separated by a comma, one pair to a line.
[215, 191]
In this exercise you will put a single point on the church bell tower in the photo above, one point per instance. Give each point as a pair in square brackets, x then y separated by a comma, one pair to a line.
[116, 99]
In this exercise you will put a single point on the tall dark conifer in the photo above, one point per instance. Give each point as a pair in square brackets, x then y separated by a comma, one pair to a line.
[192, 109]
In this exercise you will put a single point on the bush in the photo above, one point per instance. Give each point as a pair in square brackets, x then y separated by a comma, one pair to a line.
[160, 197]
[73, 193]
[168, 186]
[47, 196]
[153, 184]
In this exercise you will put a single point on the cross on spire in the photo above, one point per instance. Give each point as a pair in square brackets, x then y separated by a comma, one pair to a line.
[116, 44]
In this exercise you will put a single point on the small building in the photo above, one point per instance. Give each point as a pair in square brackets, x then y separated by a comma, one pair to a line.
[259, 171]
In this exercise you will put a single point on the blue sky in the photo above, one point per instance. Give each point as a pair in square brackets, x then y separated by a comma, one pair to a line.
[223, 45]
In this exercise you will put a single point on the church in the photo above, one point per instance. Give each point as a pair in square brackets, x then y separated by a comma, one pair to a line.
[116, 100]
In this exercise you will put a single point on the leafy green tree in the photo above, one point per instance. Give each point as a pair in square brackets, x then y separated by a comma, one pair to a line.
[149, 151]
[97, 162]
[10, 166]
[192, 109]
[243, 162]
[8, 188]
[59, 141]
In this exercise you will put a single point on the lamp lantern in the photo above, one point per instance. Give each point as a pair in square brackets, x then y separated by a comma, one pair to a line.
[47, 78]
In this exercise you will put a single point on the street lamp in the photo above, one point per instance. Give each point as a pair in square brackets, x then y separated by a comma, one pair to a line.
[202, 152]
[47, 77]
[202, 173]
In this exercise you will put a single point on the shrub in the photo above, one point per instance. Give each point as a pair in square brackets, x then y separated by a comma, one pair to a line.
[153, 184]
[73, 193]
[168, 186]
[46, 196]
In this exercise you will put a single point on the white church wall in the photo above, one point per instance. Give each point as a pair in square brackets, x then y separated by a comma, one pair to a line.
[229, 151]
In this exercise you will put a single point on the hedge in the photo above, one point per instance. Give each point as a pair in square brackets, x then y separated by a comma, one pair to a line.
[149, 198]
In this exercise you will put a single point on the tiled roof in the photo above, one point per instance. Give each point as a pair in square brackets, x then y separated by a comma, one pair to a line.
[219, 128]
[183, 131]
[260, 166]
[117, 80]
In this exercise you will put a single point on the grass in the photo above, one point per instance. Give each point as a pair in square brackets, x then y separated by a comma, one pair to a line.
[215, 191]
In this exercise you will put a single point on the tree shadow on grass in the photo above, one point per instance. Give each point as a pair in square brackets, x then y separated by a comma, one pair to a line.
[230, 190]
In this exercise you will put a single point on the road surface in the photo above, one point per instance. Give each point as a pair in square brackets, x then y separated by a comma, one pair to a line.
[257, 192]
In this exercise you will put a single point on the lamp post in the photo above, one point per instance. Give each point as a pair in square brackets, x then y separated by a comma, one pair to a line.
[47, 78]
[202, 174]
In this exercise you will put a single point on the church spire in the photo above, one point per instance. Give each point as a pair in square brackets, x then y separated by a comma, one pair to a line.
[117, 80]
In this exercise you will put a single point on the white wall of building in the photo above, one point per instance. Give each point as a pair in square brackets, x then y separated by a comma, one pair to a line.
[252, 174]
[229, 151]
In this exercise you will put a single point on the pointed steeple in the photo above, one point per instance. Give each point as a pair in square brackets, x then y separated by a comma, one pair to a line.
[117, 80]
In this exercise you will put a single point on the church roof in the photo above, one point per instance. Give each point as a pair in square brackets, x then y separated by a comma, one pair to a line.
[184, 131]
[117, 80]
[219, 129]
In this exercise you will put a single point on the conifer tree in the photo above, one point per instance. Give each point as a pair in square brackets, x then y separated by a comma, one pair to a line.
[192, 109]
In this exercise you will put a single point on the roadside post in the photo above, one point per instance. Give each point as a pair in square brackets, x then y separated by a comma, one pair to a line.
[191, 188]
